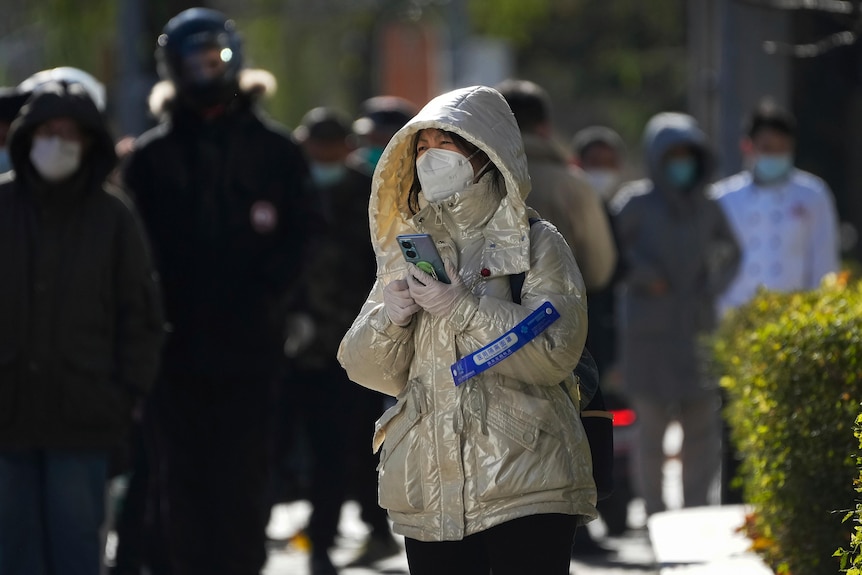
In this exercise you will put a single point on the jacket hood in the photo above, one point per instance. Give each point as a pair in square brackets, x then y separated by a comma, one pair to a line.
[667, 130]
[253, 83]
[62, 100]
[481, 116]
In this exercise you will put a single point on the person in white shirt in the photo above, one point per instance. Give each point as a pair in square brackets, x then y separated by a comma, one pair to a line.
[784, 218]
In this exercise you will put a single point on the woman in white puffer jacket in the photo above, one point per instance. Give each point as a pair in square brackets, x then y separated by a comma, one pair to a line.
[494, 473]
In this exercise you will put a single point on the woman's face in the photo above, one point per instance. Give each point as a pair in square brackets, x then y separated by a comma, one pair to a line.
[434, 138]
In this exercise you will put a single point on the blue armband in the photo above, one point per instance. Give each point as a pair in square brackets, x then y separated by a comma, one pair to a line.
[505, 345]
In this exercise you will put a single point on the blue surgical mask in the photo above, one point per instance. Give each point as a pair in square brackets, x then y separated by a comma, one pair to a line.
[770, 168]
[681, 172]
[5, 161]
[325, 175]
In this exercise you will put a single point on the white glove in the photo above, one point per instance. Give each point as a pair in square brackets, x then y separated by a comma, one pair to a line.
[398, 303]
[436, 297]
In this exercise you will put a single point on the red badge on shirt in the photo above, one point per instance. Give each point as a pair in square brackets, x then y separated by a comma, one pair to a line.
[264, 217]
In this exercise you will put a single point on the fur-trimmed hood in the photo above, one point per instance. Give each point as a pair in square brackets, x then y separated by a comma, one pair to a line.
[253, 83]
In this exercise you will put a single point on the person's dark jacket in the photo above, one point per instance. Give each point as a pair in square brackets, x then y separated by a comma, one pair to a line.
[80, 317]
[223, 201]
[343, 267]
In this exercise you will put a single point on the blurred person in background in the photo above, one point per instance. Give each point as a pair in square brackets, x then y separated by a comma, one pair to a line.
[559, 194]
[785, 222]
[784, 218]
[379, 118]
[80, 332]
[599, 153]
[220, 189]
[334, 412]
[679, 253]
[11, 100]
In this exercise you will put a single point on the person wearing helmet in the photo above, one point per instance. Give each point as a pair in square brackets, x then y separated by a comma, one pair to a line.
[220, 189]
[80, 332]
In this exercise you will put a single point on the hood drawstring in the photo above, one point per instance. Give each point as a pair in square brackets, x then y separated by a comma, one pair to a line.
[438, 209]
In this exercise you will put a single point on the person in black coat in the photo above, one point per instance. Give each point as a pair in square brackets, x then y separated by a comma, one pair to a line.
[220, 189]
[80, 332]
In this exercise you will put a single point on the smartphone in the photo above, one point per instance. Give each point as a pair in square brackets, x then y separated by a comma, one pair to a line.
[420, 250]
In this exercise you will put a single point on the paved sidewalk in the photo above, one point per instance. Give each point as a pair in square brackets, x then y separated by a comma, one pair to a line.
[703, 541]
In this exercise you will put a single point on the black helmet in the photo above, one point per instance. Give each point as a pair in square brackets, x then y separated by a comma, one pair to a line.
[187, 40]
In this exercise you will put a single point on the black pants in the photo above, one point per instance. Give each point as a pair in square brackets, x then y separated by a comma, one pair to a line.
[532, 544]
[213, 450]
[338, 419]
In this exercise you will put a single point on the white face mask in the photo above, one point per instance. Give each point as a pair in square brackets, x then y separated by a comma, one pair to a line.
[443, 173]
[603, 182]
[54, 158]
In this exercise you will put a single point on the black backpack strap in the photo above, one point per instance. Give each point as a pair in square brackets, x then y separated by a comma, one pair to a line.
[516, 282]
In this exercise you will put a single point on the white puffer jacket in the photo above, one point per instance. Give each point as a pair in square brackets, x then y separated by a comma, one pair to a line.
[507, 443]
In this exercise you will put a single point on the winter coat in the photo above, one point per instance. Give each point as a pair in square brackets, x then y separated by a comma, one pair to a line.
[80, 316]
[342, 269]
[507, 443]
[223, 200]
[568, 202]
[683, 239]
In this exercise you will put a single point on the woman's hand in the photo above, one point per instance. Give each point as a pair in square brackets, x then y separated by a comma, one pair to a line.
[436, 297]
[398, 303]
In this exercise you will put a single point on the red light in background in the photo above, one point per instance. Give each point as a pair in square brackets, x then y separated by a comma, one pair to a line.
[623, 417]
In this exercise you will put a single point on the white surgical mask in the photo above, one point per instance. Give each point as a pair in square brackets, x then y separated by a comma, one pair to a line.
[54, 158]
[603, 182]
[444, 173]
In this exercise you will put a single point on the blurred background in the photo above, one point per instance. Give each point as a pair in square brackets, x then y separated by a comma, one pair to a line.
[603, 62]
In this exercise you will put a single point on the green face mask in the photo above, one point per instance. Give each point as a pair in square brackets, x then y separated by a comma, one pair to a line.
[681, 172]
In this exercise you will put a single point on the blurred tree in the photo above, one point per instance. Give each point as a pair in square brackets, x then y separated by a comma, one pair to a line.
[615, 63]
[78, 37]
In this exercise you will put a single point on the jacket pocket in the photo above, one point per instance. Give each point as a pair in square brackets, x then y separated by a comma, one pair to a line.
[524, 450]
[400, 469]
[8, 385]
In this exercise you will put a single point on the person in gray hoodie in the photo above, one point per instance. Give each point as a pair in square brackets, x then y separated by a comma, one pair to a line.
[678, 253]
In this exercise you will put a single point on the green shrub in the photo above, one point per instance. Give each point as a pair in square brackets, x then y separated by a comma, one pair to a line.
[851, 558]
[792, 370]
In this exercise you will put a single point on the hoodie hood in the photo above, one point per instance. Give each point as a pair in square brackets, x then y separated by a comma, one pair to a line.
[667, 130]
[253, 84]
[482, 117]
[62, 100]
